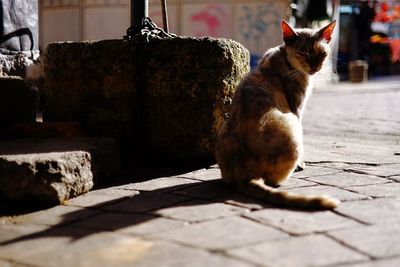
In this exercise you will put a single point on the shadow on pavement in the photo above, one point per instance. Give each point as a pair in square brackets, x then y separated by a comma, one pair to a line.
[75, 230]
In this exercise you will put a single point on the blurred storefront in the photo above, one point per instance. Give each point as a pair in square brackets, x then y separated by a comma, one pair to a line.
[370, 31]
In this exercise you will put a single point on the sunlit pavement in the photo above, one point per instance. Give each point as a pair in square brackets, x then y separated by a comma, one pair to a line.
[352, 143]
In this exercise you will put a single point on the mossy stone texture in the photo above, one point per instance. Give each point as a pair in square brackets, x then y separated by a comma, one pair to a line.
[170, 95]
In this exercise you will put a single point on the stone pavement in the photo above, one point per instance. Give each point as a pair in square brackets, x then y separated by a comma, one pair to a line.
[170, 216]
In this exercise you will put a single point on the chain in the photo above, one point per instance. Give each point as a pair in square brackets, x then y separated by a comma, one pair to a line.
[149, 31]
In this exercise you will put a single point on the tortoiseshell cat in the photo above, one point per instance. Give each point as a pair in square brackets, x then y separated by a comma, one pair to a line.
[261, 143]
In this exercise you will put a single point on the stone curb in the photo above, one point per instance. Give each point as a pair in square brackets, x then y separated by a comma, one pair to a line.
[54, 170]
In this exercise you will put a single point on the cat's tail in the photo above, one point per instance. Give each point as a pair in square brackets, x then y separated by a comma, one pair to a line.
[258, 189]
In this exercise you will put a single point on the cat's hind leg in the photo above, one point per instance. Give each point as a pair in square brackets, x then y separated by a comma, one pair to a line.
[280, 146]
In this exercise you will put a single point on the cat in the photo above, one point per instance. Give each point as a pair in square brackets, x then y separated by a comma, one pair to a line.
[261, 143]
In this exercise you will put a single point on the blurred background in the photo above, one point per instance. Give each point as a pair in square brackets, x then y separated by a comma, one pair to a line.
[367, 42]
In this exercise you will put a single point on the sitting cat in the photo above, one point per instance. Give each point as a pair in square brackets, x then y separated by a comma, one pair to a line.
[261, 143]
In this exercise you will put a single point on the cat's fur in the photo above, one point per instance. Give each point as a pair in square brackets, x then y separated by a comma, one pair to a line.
[261, 143]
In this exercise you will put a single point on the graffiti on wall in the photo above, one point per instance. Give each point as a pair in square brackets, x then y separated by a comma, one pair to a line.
[207, 20]
[258, 27]
[256, 23]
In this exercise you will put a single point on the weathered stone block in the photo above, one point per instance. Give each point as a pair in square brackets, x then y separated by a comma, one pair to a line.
[190, 83]
[54, 170]
[19, 100]
[170, 94]
[92, 83]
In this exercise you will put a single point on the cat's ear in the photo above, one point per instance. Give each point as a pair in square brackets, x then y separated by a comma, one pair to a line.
[327, 31]
[288, 33]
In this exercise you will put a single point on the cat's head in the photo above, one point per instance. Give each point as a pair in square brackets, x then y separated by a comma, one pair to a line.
[307, 49]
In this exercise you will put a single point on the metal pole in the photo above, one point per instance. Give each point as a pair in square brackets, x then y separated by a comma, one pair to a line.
[139, 11]
[165, 15]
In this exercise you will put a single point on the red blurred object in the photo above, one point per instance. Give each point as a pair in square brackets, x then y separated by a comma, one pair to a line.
[395, 47]
[393, 43]
[383, 15]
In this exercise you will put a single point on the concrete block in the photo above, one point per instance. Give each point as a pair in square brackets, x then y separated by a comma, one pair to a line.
[171, 95]
[54, 170]
[19, 101]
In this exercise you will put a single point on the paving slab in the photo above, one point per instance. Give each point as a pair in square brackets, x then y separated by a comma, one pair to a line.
[345, 179]
[161, 184]
[315, 250]
[169, 254]
[378, 263]
[354, 149]
[374, 115]
[300, 222]
[338, 193]
[85, 248]
[58, 215]
[295, 182]
[378, 190]
[146, 202]
[11, 231]
[376, 241]
[203, 174]
[101, 197]
[11, 264]
[395, 178]
[215, 189]
[314, 170]
[198, 210]
[244, 201]
[223, 234]
[137, 224]
[382, 170]
[376, 211]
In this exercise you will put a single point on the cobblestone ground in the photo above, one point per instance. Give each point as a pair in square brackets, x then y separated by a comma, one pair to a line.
[352, 140]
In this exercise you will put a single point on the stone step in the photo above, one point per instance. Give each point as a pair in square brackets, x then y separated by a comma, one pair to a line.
[54, 170]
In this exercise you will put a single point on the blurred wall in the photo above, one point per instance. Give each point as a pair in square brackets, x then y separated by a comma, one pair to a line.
[254, 23]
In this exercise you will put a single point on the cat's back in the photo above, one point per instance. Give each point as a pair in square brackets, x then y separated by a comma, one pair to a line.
[261, 89]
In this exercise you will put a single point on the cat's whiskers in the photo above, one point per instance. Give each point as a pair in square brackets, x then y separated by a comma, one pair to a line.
[294, 73]
[328, 69]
